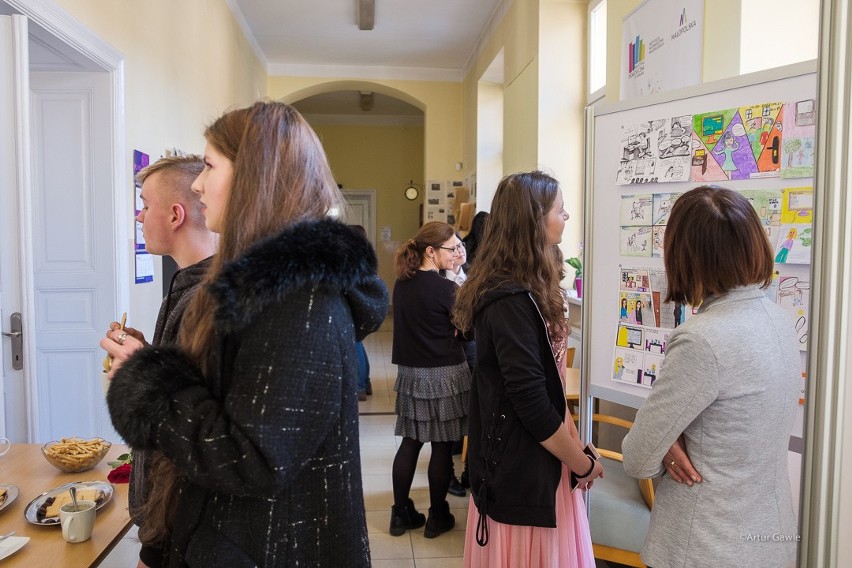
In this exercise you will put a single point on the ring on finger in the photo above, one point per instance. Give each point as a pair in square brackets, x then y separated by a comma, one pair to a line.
[672, 463]
[122, 337]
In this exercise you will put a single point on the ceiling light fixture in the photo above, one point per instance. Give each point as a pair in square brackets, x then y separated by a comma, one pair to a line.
[366, 14]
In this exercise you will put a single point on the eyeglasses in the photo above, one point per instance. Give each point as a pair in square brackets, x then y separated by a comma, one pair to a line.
[454, 250]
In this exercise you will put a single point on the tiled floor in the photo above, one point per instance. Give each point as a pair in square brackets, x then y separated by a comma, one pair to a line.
[378, 447]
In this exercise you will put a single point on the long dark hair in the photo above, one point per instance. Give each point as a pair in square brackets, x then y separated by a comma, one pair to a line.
[281, 177]
[515, 249]
[474, 238]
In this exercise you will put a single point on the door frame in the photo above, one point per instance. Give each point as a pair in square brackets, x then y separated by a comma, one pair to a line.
[63, 27]
[370, 195]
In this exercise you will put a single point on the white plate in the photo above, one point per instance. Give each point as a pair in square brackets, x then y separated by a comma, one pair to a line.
[31, 512]
[11, 495]
[11, 545]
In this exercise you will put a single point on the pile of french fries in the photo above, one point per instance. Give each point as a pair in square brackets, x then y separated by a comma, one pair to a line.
[76, 452]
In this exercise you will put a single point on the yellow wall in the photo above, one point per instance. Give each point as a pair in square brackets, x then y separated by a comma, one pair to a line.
[185, 62]
[441, 103]
[544, 45]
[383, 158]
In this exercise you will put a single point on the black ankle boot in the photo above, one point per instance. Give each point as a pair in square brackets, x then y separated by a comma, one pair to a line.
[404, 518]
[440, 521]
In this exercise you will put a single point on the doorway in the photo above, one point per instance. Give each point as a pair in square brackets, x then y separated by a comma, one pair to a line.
[61, 229]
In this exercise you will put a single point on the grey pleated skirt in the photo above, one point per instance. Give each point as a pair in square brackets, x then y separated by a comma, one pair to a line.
[432, 402]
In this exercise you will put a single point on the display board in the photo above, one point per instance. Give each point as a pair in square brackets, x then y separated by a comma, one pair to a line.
[644, 153]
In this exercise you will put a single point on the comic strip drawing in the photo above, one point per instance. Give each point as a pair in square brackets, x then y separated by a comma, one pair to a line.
[799, 139]
[627, 366]
[635, 280]
[797, 205]
[794, 294]
[656, 151]
[634, 306]
[657, 239]
[663, 207]
[794, 245]
[651, 369]
[738, 143]
[629, 337]
[635, 241]
[636, 210]
[767, 205]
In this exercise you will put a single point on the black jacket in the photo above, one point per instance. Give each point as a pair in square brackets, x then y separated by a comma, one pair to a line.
[517, 401]
[181, 291]
[268, 442]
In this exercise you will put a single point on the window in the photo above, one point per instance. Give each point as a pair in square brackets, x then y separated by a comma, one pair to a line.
[597, 49]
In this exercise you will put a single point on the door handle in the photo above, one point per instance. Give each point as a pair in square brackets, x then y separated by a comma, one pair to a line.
[16, 334]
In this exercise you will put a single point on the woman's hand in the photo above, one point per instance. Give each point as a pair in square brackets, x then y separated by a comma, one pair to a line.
[597, 471]
[120, 345]
[678, 465]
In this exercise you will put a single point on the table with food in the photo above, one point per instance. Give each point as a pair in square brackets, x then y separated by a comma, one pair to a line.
[36, 497]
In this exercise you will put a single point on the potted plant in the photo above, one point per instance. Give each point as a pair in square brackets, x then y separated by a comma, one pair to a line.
[575, 263]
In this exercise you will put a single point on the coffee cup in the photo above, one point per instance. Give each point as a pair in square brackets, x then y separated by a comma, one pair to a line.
[77, 522]
[5, 445]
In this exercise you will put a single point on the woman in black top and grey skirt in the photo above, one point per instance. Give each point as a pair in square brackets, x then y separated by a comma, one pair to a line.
[433, 379]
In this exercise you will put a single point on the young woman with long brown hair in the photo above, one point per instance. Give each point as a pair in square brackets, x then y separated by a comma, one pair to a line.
[433, 380]
[253, 416]
[523, 444]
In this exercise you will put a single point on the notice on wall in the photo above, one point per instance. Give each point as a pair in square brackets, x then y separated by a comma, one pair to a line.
[144, 262]
[661, 47]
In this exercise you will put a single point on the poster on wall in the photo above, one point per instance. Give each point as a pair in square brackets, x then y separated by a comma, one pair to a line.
[661, 47]
[144, 262]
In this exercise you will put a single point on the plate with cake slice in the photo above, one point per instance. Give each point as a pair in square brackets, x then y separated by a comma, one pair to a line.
[8, 493]
[44, 509]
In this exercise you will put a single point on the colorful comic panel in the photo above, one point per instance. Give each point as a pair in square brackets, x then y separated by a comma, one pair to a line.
[627, 366]
[799, 144]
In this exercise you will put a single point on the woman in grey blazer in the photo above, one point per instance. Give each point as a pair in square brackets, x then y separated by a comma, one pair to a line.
[726, 394]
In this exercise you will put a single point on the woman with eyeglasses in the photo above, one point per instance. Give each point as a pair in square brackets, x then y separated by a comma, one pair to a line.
[433, 379]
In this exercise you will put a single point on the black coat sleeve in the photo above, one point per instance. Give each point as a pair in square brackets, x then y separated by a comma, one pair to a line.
[516, 330]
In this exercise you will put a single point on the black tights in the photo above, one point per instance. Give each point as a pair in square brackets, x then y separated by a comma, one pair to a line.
[440, 471]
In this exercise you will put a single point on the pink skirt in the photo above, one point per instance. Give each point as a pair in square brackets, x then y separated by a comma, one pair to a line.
[569, 545]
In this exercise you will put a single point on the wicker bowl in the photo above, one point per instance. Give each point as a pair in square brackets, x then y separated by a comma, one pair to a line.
[73, 455]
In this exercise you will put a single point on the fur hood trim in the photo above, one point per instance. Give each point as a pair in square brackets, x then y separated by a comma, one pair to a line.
[324, 253]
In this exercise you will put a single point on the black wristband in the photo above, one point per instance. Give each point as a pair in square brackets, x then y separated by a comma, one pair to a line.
[591, 469]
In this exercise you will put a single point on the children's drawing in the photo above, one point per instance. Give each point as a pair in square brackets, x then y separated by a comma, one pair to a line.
[655, 151]
[794, 244]
[635, 308]
[738, 143]
[657, 240]
[799, 139]
[627, 366]
[635, 241]
[656, 340]
[630, 337]
[794, 294]
[797, 205]
[651, 368]
[636, 210]
[767, 205]
[635, 280]
[667, 315]
[663, 207]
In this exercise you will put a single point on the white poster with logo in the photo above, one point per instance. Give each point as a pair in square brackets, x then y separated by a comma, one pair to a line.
[661, 47]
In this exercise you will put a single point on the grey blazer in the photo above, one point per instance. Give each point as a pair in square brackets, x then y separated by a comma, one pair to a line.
[730, 383]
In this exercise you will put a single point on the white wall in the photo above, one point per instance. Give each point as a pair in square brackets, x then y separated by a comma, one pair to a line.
[489, 143]
[776, 32]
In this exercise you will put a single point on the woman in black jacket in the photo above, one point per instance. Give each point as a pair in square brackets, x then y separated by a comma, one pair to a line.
[522, 441]
[433, 380]
[253, 415]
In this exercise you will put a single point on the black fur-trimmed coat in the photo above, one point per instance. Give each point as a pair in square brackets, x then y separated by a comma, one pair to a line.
[268, 444]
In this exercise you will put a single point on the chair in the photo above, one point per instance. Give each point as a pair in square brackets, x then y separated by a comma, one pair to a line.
[620, 506]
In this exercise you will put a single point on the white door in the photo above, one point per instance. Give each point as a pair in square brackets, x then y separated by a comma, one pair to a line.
[361, 210]
[66, 251]
[14, 418]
